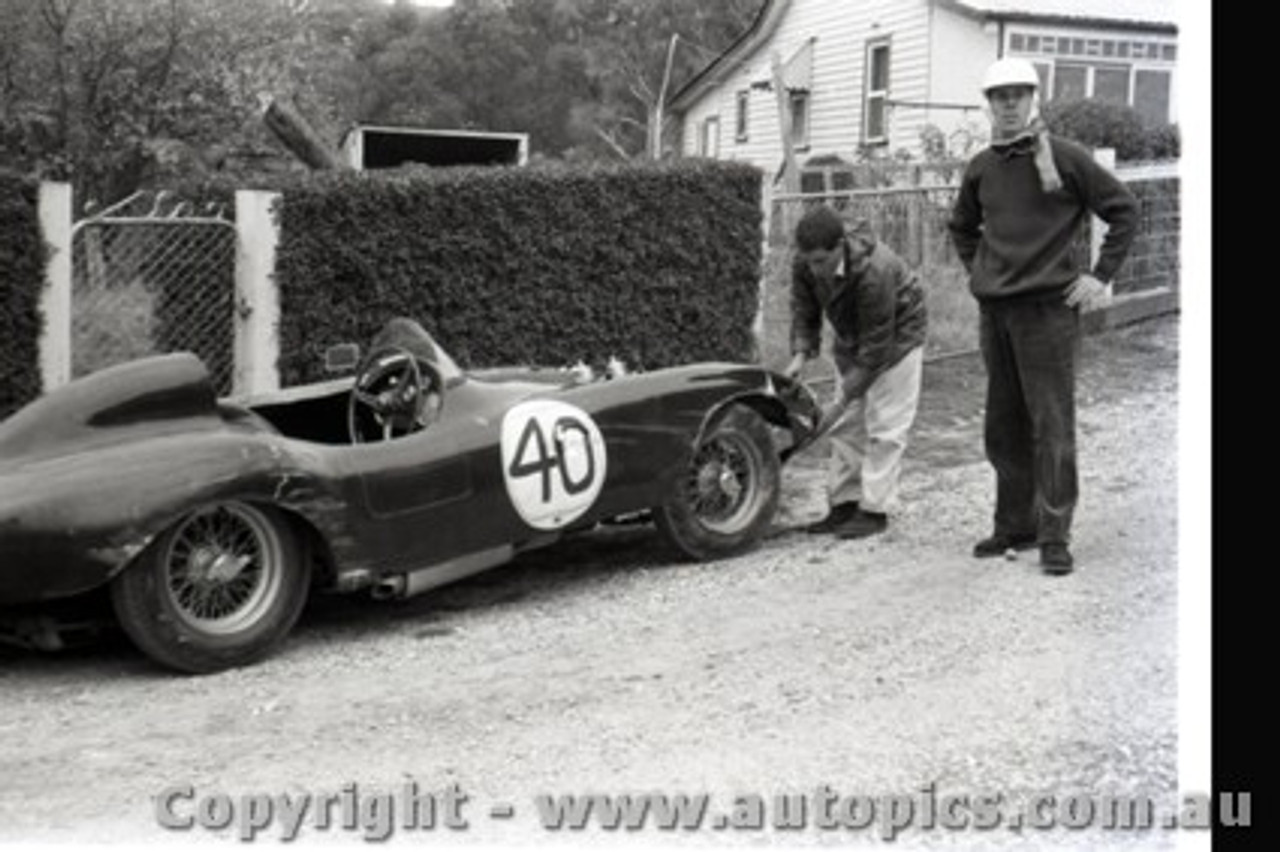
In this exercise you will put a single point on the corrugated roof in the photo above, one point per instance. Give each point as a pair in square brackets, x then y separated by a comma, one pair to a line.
[1159, 12]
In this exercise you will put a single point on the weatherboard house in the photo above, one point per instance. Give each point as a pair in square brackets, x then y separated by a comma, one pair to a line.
[875, 78]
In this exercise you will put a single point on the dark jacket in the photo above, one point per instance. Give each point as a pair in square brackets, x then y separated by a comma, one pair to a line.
[1018, 240]
[877, 314]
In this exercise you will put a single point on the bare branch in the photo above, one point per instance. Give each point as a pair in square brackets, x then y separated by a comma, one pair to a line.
[640, 92]
[57, 15]
[612, 143]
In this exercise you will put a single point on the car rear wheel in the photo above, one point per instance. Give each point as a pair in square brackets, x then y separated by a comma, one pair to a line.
[219, 588]
[726, 498]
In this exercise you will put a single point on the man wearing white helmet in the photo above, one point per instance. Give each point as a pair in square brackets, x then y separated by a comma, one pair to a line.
[1020, 208]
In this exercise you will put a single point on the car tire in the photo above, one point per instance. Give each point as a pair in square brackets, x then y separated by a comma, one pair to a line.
[219, 588]
[726, 497]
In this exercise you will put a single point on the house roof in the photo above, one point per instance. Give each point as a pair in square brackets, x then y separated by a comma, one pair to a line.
[766, 21]
[1147, 12]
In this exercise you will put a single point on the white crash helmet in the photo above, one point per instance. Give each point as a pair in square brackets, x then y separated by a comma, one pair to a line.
[1010, 71]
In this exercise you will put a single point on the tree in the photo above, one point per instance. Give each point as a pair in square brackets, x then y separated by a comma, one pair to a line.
[115, 95]
[637, 51]
[585, 78]
[120, 94]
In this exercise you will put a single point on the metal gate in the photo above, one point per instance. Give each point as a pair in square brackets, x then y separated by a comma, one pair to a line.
[149, 277]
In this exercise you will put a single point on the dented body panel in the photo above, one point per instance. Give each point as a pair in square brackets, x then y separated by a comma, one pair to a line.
[91, 473]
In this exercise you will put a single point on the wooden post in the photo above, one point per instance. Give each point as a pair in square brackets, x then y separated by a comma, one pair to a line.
[660, 109]
[257, 314]
[790, 171]
[55, 300]
[759, 325]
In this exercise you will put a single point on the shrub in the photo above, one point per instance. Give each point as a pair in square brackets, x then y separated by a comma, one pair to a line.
[1164, 142]
[22, 268]
[657, 264]
[1098, 124]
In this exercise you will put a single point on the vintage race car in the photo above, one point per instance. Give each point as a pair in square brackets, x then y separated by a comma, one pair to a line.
[209, 521]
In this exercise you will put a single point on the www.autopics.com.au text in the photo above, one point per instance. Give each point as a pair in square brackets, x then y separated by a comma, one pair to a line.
[377, 814]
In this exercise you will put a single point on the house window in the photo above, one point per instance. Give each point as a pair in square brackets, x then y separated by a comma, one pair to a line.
[812, 183]
[799, 102]
[876, 94]
[709, 139]
[1134, 72]
[742, 115]
[1111, 85]
[1070, 82]
[1044, 71]
[1151, 95]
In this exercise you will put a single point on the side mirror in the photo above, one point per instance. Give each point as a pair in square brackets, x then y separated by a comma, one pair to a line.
[342, 358]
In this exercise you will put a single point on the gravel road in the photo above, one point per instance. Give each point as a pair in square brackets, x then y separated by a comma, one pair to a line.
[887, 666]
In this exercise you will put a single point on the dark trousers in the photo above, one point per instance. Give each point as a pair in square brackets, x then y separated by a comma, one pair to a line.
[1030, 349]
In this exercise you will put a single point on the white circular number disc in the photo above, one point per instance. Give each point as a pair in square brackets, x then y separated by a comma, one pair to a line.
[553, 461]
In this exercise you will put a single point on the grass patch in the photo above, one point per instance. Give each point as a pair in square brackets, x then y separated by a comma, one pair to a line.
[112, 325]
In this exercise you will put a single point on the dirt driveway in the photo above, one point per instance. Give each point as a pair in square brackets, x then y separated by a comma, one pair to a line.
[897, 665]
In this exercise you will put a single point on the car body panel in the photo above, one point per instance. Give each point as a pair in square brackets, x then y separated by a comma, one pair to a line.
[92, 472]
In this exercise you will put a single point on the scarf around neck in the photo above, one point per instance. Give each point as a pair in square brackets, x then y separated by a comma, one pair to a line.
[1034, 138]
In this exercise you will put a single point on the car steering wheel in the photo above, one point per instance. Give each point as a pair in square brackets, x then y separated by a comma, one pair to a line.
[397, 391]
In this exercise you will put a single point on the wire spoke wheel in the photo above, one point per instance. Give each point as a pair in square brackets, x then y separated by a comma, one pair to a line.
[722, 482]
[223, 567]
[726, 497]
[219, 588]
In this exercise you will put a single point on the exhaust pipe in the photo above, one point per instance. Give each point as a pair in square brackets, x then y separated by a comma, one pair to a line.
[390, 588]
[400, 586]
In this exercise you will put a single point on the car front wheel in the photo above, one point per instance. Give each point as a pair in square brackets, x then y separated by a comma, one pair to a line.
[727, 496]
[219, 588]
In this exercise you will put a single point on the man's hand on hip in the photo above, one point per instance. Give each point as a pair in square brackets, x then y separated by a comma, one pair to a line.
[1087, 293]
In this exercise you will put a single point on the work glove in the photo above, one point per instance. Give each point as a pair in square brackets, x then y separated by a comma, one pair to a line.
[1087, 293]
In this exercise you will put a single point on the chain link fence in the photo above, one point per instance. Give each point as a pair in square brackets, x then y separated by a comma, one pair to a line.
[143, 285]
[912, 222]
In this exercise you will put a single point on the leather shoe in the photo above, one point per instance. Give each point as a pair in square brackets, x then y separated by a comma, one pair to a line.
[1056, 559]
[839, 514]
[863, 524]
[997, 544]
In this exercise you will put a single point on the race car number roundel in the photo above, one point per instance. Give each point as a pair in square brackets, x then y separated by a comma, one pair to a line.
[553, 461]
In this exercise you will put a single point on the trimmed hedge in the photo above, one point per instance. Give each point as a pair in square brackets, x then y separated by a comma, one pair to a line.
[22, 267]
[657, 264]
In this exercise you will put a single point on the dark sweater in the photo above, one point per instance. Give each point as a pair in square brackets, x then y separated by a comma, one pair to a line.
[1015, 239]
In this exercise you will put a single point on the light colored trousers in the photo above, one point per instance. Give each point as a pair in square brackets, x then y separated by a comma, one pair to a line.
[869, 439]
